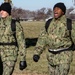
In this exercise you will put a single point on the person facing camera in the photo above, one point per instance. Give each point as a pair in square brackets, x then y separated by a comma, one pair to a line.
[59, 38]
[12, 41]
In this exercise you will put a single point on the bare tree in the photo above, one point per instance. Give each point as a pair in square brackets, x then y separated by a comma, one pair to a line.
[49, 13]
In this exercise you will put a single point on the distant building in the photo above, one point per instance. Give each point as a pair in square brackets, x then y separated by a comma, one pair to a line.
[72, 12]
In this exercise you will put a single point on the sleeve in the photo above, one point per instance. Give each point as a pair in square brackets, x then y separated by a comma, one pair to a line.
[73, 31]
[21, 42]
[41, 43]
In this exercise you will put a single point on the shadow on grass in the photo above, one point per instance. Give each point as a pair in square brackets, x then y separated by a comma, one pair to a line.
[31, 42]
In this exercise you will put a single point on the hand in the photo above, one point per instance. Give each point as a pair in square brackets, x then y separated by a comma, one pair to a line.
[22, 65]
[36, 58]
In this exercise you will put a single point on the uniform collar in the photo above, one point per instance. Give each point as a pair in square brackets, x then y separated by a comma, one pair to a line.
[6, 20]
[62, 19]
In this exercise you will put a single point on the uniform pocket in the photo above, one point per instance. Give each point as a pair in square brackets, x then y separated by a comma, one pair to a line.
[66, 57]
[53, 59]
[9, 53]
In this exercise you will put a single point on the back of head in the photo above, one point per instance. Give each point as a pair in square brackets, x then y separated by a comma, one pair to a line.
[6, 7]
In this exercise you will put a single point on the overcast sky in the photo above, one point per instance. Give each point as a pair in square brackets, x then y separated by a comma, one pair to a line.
[38, 4]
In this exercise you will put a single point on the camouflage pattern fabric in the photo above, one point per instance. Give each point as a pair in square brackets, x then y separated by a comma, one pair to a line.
[9, 53]
[62, 69]
[8, 67]
[57, 37]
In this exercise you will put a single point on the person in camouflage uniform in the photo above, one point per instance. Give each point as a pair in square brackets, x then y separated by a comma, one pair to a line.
[57, 37]
[8, 50]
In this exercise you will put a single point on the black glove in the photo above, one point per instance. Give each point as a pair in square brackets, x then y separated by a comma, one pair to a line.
[36, 58]
[22, 65]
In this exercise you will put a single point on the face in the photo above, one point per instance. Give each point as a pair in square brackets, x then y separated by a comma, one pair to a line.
[3, 14]
[57, 12]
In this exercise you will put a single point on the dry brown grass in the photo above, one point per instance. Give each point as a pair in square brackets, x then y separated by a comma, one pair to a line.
[32, 30]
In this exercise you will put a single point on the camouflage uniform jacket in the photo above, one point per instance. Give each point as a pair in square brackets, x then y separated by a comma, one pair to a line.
[6, 36]
[56, 37]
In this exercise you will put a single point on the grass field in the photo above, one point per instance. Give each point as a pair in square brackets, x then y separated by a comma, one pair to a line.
[32, 30]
